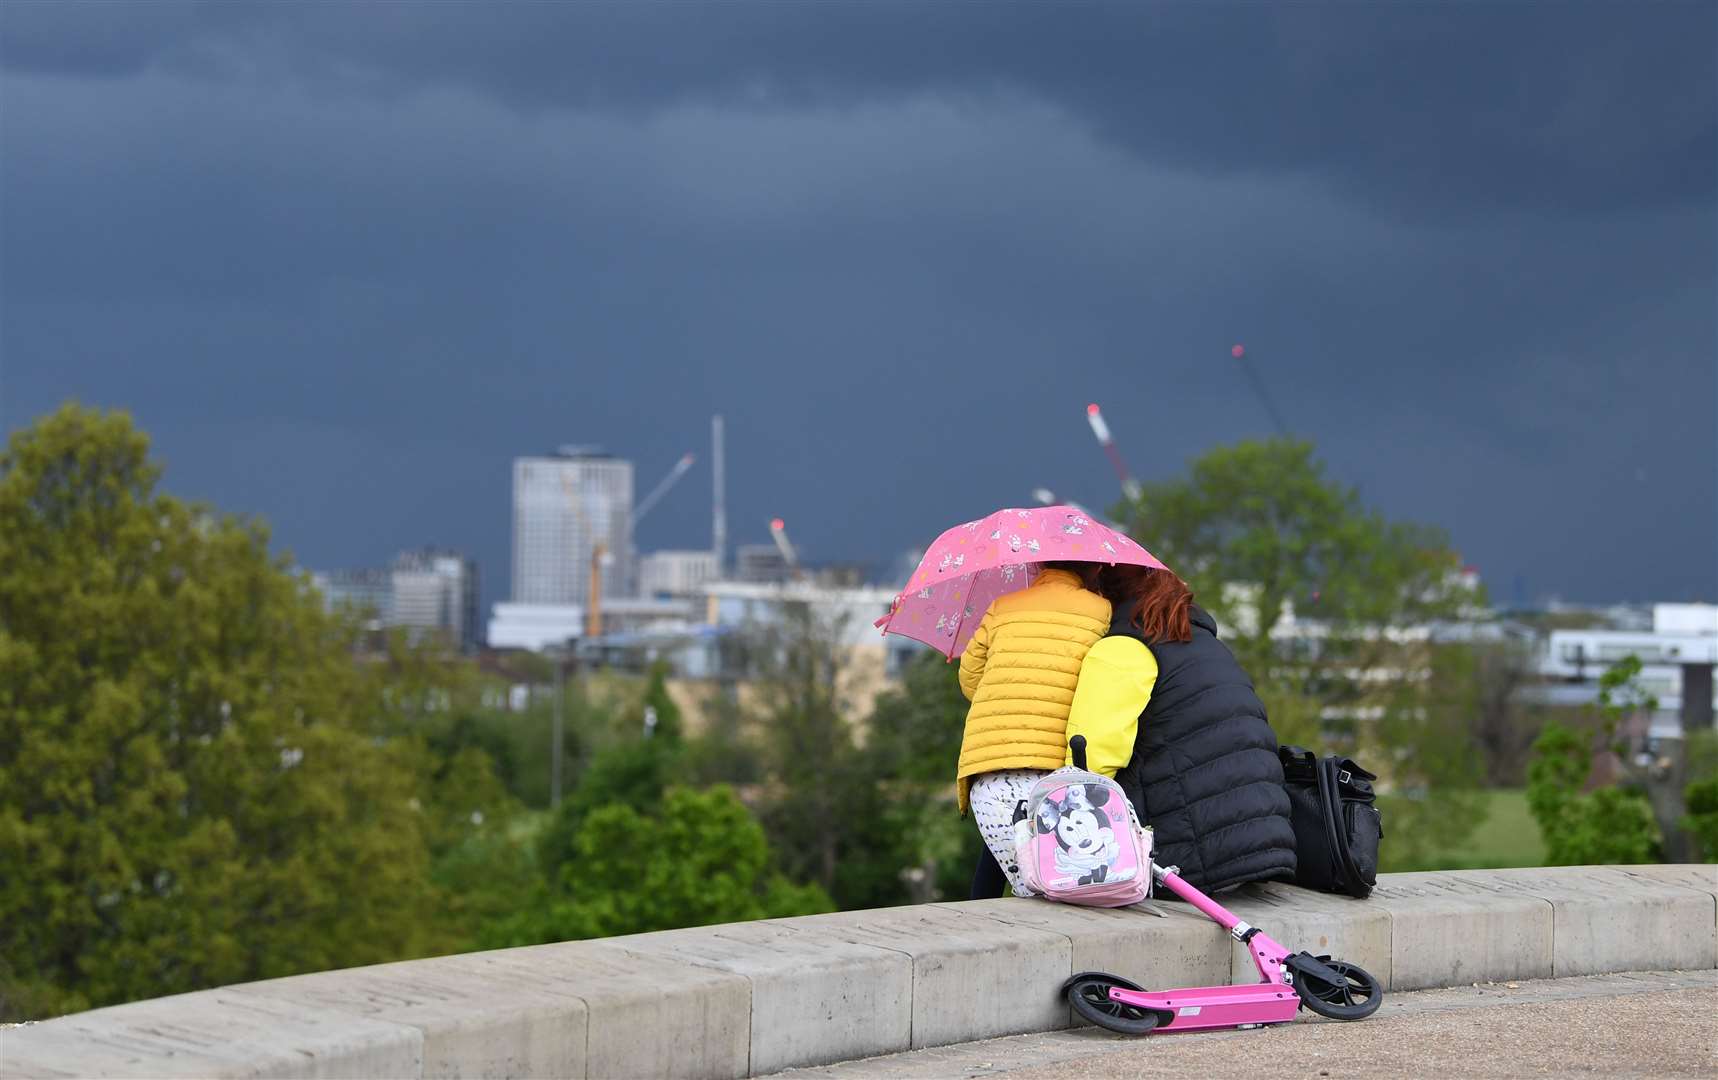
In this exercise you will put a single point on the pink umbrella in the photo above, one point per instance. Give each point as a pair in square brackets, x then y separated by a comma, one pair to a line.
[972, 564]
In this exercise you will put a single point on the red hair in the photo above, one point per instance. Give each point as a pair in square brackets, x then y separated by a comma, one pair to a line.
[1162, 603]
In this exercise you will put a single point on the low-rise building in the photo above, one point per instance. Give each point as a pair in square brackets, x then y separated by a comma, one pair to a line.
[1677, 655]
[761, 564]
[664, 574]
[428, 591]
[435, 592]
[369, 593]
[541, 627]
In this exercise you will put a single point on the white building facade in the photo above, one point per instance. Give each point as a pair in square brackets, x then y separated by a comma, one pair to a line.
[437, 592]
[427, 591]
[1677, 656]
[541, 627]
[675, 573]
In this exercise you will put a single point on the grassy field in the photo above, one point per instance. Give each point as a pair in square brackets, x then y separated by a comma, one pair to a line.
[1507, 837]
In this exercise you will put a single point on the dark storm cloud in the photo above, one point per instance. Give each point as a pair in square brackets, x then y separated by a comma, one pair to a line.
[344, 261]
[1426, 107]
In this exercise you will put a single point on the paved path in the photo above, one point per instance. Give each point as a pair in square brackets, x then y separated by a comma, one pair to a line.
[1645, 1024]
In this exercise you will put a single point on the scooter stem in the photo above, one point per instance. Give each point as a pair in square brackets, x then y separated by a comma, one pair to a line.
[1268, 954]
[1171, 880]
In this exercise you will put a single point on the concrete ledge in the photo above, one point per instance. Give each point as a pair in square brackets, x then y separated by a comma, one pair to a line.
[969, 973]
[744, 999]
[1451, 928]
[821, 993]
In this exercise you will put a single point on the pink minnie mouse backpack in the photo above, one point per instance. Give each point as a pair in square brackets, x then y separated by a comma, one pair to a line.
[1079, 841]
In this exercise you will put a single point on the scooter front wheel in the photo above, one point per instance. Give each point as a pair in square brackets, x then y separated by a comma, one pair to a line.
[1354, 994]
[1089, 994]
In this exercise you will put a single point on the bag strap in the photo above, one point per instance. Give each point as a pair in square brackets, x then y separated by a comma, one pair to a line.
[1350, 770]
[1300, 765]
[1328, 804]
[1333, 816]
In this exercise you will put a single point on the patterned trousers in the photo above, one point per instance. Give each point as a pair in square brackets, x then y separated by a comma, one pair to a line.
[993, 797]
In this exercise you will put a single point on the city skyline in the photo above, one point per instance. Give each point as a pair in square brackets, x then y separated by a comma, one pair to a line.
[371, 254]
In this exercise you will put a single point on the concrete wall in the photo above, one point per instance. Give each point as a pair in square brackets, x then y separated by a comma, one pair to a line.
[749, 998]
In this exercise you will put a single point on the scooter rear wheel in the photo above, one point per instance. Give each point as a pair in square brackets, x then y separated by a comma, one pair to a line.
[1355, 997]
[1089, 994]
[1114, 980]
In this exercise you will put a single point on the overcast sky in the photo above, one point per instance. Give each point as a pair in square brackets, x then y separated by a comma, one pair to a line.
[345, 261]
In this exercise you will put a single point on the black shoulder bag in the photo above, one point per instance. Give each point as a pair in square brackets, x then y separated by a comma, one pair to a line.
[1336, 826]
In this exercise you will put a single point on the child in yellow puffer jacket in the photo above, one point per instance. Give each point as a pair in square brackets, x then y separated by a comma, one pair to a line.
[1019, 671]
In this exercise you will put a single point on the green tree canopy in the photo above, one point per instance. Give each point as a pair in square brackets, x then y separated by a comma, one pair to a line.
[1606, 825]
[193, 789]
[1260, 529]
[1259, 526]
[624, 774]
[658, 699]
[687, 858]
[911, 747]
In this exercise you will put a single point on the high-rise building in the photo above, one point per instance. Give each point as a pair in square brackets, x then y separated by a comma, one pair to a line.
[564, 507]
[436, 591]
[675, 573]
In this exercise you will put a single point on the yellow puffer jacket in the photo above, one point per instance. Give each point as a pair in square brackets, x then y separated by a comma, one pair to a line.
[1019, 671]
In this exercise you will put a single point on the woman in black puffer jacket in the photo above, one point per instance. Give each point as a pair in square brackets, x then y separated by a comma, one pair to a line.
[1168, 712]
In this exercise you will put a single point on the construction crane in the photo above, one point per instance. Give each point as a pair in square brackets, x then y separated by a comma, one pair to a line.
[648, 503]
[600, 556]
[1239, 352]
[718, 497]
[778, 533]
[593, 609]
[1095, 417]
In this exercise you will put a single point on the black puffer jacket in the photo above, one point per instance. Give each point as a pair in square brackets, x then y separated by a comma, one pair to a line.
[1205, 773]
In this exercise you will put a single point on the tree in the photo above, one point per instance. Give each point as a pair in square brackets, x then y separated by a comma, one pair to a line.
[725, 750]
[195, 787]
[660, 703]
[1259, 528]
[911, 749]
[626, 774]
[491, 876]
[1500, 729]
[828, 790]
[1420, 737]
[1606, 825]
[688, 859]
[1700, 758]
[813, 798]
[1661, 773]
[1702, 820]
[1610, 823]
[1260, 531]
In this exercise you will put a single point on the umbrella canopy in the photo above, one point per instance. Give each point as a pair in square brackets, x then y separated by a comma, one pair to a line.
[972, 564]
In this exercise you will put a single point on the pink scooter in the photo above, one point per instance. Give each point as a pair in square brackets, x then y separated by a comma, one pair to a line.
[1332, 988]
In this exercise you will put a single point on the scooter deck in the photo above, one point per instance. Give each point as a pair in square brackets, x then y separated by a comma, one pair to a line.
[1203, 1007]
